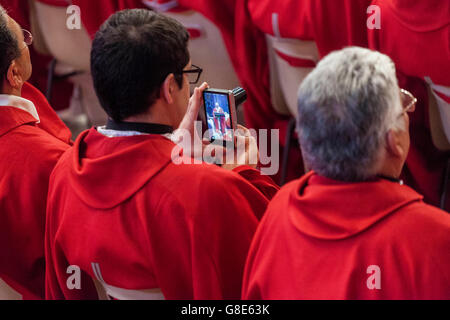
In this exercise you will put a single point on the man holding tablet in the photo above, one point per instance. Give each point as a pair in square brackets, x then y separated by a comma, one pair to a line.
[136, 224]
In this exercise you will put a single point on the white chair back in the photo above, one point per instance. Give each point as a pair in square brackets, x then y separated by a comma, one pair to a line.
[439, 112]
[291, 60]
[8, 293]
[71, 49]
[108, 292]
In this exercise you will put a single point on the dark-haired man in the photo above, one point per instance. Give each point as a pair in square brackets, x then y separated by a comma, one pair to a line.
[123, 218]
[32, 139]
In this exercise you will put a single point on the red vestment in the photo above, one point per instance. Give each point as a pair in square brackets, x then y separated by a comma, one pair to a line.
[28, 154]
[323, 239]
[122, 211]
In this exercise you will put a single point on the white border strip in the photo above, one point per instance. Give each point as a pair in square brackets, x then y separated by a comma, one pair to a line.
[275, 25]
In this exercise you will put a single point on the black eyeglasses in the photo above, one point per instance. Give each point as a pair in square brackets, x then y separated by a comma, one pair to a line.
[193, 74]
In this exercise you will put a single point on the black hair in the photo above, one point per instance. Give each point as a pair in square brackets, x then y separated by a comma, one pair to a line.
[9, 46]
[132, 54]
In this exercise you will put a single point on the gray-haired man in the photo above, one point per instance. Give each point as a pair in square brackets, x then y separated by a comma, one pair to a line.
[350, 229]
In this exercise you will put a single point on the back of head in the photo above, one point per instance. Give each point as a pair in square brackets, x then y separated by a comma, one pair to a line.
[9, 46]
[346, 107]
[132, 54]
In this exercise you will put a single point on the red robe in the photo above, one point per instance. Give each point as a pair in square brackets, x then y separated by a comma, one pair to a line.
[416, 35]
[28, 154]
[323, 239]
[332, 24]
[123, 212]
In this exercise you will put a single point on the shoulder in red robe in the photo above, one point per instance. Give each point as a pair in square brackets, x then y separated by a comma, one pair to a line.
[50, 122]
[323, 239]
[28, 154]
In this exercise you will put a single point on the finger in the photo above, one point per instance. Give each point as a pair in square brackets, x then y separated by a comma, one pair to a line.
[197, 95]
[242, 141]
[243, 131]
[194, 107]
[241, 127]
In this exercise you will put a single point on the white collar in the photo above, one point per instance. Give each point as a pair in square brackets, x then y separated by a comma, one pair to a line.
[19, 103]
[116, 134]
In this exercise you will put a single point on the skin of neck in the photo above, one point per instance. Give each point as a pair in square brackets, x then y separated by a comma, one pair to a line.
[7, 89]
[394, 156]
[391, 168]
[158, 113]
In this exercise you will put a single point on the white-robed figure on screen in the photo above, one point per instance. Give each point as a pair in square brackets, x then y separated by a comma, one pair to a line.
[220, 119]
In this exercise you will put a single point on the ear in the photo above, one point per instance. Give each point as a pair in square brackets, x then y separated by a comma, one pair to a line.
[394, 145]
[167, 89]
[13, 76]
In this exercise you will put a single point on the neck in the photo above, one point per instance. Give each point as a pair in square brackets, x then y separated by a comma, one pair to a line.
[157, 114]
[8, 90]
[390, 169]
[148, 119]
[149, 128]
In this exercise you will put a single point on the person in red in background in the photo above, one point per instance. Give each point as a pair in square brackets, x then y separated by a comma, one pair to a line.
[95, 13]
[137, 223]
[32, 139]
[19, 10]
[332, 25]
[349, 229]
[416, 35]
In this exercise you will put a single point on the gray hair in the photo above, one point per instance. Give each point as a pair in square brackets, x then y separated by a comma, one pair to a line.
[346, 106]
